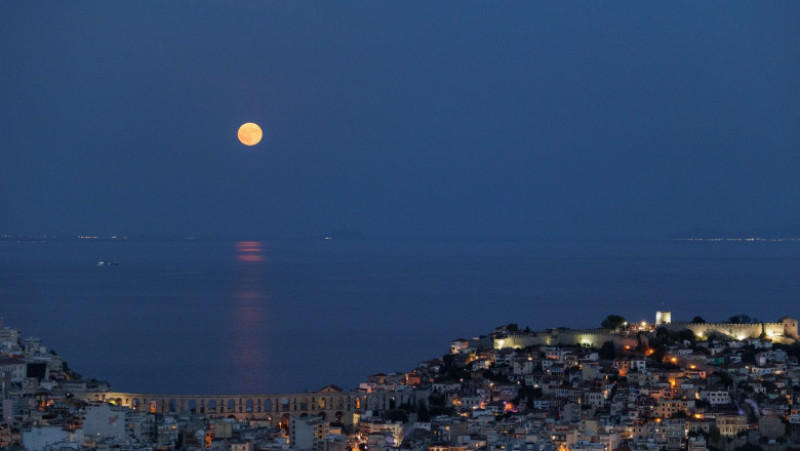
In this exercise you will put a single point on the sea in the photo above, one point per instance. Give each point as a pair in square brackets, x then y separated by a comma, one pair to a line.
[278, 316]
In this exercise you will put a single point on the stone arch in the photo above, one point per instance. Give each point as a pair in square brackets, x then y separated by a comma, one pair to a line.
[267, 405]
[248, 405]
[211, 405]
[172, 405]
[231, 405]
[191, 406]
[339, 416]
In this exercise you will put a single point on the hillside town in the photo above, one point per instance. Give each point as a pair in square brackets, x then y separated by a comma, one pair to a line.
[638, 386]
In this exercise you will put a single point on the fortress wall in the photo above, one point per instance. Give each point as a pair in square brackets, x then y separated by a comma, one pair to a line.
[593, 338]
[786, 328]
[737, 331]
[519, 341]
[733, 330]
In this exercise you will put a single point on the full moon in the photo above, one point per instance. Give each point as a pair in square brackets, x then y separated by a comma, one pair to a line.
[250, 134]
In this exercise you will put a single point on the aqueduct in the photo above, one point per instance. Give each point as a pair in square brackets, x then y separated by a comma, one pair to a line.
[331, 402]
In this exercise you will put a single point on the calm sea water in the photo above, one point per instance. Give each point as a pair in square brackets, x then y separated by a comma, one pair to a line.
[254, 317]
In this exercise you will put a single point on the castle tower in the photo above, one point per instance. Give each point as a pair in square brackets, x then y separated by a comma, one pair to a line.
[663, 318]
[789, 327]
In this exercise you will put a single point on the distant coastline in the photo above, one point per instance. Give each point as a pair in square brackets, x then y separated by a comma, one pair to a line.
[737, 239]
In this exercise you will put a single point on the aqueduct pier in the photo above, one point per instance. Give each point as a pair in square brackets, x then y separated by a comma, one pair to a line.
[331, 402]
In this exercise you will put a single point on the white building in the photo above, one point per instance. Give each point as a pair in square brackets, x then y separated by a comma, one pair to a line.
[15, 368]
[716, 397]
[40, 437]
[103, 421]
[308, 433]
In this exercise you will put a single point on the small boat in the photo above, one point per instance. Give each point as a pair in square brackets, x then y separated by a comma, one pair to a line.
[102, 263]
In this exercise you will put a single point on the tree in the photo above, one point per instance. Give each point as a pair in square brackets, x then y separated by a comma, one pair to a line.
[607, 351]
[748, 446]
[396, 415]
[528, 394]
[698, 320]
[422, 412]
[686, 334]
[614, 322]
[724, 379]
[740, 319]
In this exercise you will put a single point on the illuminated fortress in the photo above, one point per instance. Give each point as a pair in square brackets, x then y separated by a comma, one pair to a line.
[592, 338]
[784, 330]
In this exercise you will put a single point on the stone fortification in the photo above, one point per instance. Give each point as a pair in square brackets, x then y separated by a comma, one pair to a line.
[783, 330]
[593, 338]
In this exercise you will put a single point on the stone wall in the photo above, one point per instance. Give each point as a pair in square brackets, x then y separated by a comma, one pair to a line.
[593, 338]
[784, 330]
[339, 406]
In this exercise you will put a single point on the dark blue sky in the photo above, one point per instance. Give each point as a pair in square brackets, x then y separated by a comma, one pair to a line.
[399, 119]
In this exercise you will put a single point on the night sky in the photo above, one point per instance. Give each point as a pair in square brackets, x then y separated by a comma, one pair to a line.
[496, 120]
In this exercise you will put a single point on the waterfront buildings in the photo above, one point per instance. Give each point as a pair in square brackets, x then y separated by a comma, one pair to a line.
[675, 386]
